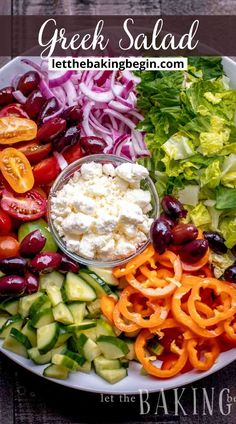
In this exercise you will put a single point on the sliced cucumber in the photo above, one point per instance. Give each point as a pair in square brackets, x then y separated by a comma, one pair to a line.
[54, 294]
[64, 335]
[76, 357]
[21, 338]
[113, 376]
[102, 363]
[65, 361]
[30, 332]
[54, 278]
[96, 282]
[61, 313]
[106, 275]
[56, 371]
[47, 337]
[39, 359]
[61, 349]
[131, 354]
[41, 303]
[124, 362]
[89, 349]
[84, 325]
[42, 317]
[3, 320]
[10, 305]
[104, 328]
[75, 288]
[94, 308]
[86, 367]
[78, 310]
[112, 347]
[14, 343]
[91, 333]
[26, 302]
[12, 322]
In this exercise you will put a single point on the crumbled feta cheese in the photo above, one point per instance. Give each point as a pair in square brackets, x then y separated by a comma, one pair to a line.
[130, 213]
[77, 223]
[83, 204]
[91, 170]
[140, 197]
[108, 169]
[131, 172]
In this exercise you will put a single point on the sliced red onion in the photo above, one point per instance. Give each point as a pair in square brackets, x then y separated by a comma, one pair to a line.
[54, 114]
[60, 160]
[85, 124]
[127, 89]
[70, 92]
[58, 78]
[94, 122]
[34, 65]
[97, 97]
[121, 118]
[45, 90]
[19, 96]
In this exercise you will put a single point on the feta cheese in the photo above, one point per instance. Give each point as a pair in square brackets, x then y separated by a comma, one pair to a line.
[140, 197]
[83, 204]
[77, 223]
[131, 172]
[91, 170]
[130, 213]
[108, 169]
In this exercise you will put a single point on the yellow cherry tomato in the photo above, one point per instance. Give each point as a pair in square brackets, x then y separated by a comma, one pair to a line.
[16, 169]
[14, 129]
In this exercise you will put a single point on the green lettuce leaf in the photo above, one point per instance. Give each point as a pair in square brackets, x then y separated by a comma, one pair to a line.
[210, 176]
[228, 229]
[200, 215]
[228, 171]
[225, 198]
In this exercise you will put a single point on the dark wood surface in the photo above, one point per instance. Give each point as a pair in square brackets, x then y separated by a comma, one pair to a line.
[27, 399]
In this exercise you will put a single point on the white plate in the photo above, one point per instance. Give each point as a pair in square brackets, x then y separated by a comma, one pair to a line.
[134, 382]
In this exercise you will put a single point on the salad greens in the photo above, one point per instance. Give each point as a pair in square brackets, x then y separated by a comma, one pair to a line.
[191, 134]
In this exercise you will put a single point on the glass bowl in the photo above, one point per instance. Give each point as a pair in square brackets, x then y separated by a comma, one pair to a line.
[65, 176]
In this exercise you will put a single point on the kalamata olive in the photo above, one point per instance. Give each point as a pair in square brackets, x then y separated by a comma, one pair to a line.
[93, 145]
[71, 136]
[173, 208]
[166, 218]
[13, 265]
[12, 285]
[68, 265]
[28, 82]
[73, 114]
[32, 282]
[51, 129]
[6, 95]
[46, 262]
[233, 250]
[161, 235]
[50, 106]
[34, 104]
[193, 251]
[32, 244]
[183, 233]
[216, 241]
[230, 273]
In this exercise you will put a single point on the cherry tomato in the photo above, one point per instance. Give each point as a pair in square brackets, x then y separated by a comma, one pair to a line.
[5, 223]
[46, 171]
[26, 207]
[13, 129]
[16, 169]
[41, 192]
[3, 184]
[35, 152]
[169, 361]
[73, 153]
[14, 109]
[9, 246]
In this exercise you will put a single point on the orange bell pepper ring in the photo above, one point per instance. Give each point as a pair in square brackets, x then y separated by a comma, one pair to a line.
[202, 354]
[121, 324]
[107, 306]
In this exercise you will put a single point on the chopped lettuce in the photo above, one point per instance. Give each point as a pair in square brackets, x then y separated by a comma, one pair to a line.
[189, 195]
[228, 171]
[225, 198]
[200, 215]
[228, 229]
[220, 263]
[210, 176]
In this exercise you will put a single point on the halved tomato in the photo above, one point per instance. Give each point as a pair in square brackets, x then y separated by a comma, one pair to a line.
[26, 207]
[72, 153]
[14, 109]
[46, 171]
[16, 169]
[35, 152]
[14, 129]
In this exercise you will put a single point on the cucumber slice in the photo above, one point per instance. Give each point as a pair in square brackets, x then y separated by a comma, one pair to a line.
[26, 302]
[12, 322]
[131, 354]
[42, 302]
[60, 349]
[106, 275]
[54, 295]
[64, 335]
[102, 363]
[113, 376]
[112, 347]
[78, 310]
[124, 362]
[65, 361]
[42, 317]
[54, 278]
[14, 343]
[30, 332]
[91, 333]
[61, 313]
[86, 368]
[76, 357]
[56, 371]
[39, 359]
[88, 348]
[96, 282]
[47, 337]
[84, 325]
[75, 288]
[10, 305]
[94, 308]
[104, 328]
[3, 319]
[20, 337]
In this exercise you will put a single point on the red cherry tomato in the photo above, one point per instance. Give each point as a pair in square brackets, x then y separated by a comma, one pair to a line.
[46, 171]
[5, 223]
[14, 109]
[73, 153]
[9, 246]
[35, 152]
[26, 207]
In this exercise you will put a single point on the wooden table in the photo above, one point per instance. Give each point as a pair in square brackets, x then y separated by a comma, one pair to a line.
[27, 399]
